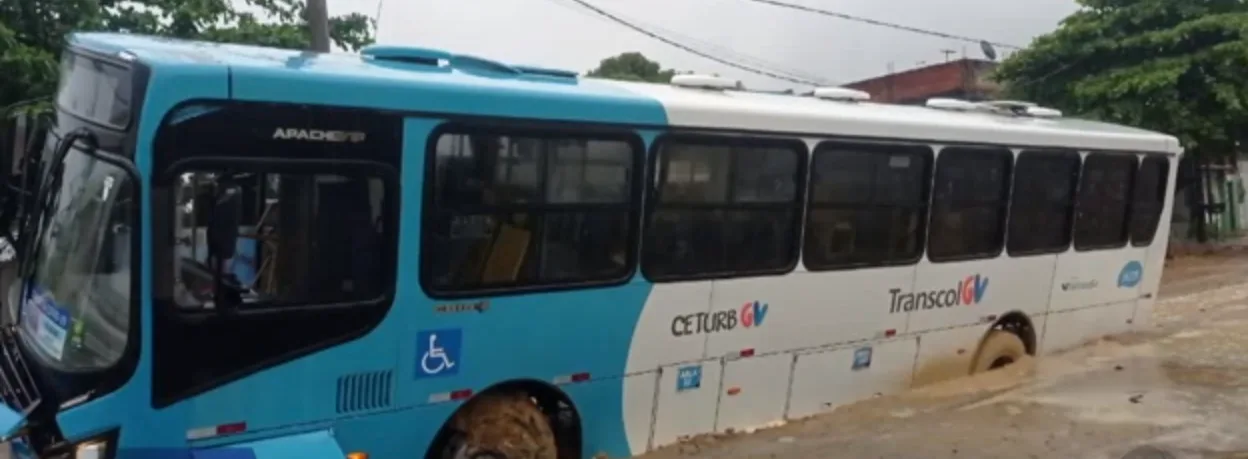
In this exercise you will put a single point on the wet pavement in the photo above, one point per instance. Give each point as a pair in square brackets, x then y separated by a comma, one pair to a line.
[1180, 387]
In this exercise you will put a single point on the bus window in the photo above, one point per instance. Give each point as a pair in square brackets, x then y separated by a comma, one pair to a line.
[1043, 202]
[529, 209]
[969, 203]
[1148, 198]
[723, 207]
[1101, 209]
[303, 239]
[868, 205]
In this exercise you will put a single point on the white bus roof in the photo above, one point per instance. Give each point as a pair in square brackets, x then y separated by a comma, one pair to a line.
[807, 115]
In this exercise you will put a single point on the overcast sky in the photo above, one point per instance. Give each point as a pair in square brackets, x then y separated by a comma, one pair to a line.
[558, 33]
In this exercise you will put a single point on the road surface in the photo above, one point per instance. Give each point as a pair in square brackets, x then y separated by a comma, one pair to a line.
[1181, 387]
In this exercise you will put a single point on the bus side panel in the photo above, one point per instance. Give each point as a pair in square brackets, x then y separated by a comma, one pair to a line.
[1153, 268]
[806, 309]
[1074, 327]
[669, 333]
[826, 379]
[965, 293]
[687, 396]
[947, 353]
[1091, 279]
[376, 435]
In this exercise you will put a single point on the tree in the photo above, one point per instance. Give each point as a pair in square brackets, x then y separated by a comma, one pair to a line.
[1174, 66]
[32, 32]
[632, 66]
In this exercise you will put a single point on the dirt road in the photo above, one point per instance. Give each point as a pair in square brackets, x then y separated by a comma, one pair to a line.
[1181, 387]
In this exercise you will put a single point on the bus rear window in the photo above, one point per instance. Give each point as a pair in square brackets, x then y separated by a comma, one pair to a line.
[1148, 199]
[1101, 212]
[94, 90]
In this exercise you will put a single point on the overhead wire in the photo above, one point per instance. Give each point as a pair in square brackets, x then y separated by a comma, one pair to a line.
[705, 46]
[885, 24]
[689, 49]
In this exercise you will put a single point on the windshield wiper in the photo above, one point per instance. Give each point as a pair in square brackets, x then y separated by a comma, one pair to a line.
[49, 192]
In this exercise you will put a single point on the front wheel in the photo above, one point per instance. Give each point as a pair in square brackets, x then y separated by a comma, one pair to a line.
[501, 426]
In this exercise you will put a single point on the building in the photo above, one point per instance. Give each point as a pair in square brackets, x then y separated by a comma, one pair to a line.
[966, 79]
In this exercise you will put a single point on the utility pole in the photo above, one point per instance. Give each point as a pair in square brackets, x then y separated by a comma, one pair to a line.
[318, 24]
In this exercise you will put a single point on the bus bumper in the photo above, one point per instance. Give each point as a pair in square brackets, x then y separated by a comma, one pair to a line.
[11, 422]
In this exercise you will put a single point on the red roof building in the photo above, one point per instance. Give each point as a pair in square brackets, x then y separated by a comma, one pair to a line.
[966, 79]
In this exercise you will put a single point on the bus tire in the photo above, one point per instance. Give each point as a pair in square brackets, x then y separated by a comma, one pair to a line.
[1000, 348]
[498, 425]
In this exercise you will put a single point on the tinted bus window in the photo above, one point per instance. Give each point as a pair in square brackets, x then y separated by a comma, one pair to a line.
[969, 203]
[94, 90]
[868, 205]
[1148, 198]
[1042, 206]
[723, 207]
[517, 209]
[1101, 209]
[303, 238]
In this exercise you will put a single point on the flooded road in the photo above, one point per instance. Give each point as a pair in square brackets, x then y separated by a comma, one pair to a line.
[1181, 387]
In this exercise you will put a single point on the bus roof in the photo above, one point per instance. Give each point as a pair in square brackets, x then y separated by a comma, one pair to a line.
[468, 85]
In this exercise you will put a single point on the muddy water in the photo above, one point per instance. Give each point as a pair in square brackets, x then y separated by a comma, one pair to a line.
[1181, 387]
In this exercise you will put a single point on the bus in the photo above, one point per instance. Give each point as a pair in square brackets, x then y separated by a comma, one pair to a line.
[271, 253]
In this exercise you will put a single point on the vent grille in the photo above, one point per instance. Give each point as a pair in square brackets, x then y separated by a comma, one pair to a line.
[365, 391]
[17, 386]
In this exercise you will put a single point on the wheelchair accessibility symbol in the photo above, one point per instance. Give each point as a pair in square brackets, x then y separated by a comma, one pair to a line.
[438, 352]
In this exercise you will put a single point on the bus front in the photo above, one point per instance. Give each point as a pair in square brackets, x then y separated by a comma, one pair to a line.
[72, 331]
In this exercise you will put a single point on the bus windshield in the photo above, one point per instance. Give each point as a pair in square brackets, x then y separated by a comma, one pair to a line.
[75, 314]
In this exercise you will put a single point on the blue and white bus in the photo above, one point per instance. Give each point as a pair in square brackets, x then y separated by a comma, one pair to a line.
[411, 252]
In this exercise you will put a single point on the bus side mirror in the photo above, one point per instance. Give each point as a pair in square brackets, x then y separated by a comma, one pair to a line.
[227, 210]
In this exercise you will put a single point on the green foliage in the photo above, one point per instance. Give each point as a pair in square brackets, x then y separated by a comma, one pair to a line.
[1175, 66]
[632, 67]
[32, 32]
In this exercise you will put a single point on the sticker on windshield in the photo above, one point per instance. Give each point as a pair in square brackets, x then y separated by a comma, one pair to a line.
[47, 324]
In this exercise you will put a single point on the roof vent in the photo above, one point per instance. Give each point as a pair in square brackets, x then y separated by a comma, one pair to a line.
[1044, 112]
[424, 56]
[541, 71]
[942, 103]
[703, 82]
[470, 63]
[1023, 108]
[842, 94]
[1000, 107]
[1011, 105]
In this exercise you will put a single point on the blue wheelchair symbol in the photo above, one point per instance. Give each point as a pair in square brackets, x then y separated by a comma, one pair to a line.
[438, 352]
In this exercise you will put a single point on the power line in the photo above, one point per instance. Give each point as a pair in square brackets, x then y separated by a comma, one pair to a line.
[879, 23]
[688, 49]
[707, 47]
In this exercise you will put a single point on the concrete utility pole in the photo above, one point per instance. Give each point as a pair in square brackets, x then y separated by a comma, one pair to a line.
[318, 24]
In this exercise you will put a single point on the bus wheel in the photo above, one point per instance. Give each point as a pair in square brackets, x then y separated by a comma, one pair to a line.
[1000, 348]
[501, 425]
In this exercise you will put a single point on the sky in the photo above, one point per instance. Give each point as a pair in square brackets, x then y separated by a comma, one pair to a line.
[561, 34]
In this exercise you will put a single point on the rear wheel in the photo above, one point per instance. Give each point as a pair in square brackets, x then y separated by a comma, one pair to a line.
[1000, 348]
[505, 425]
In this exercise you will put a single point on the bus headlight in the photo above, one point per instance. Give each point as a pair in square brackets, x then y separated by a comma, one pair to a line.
[91, 450]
